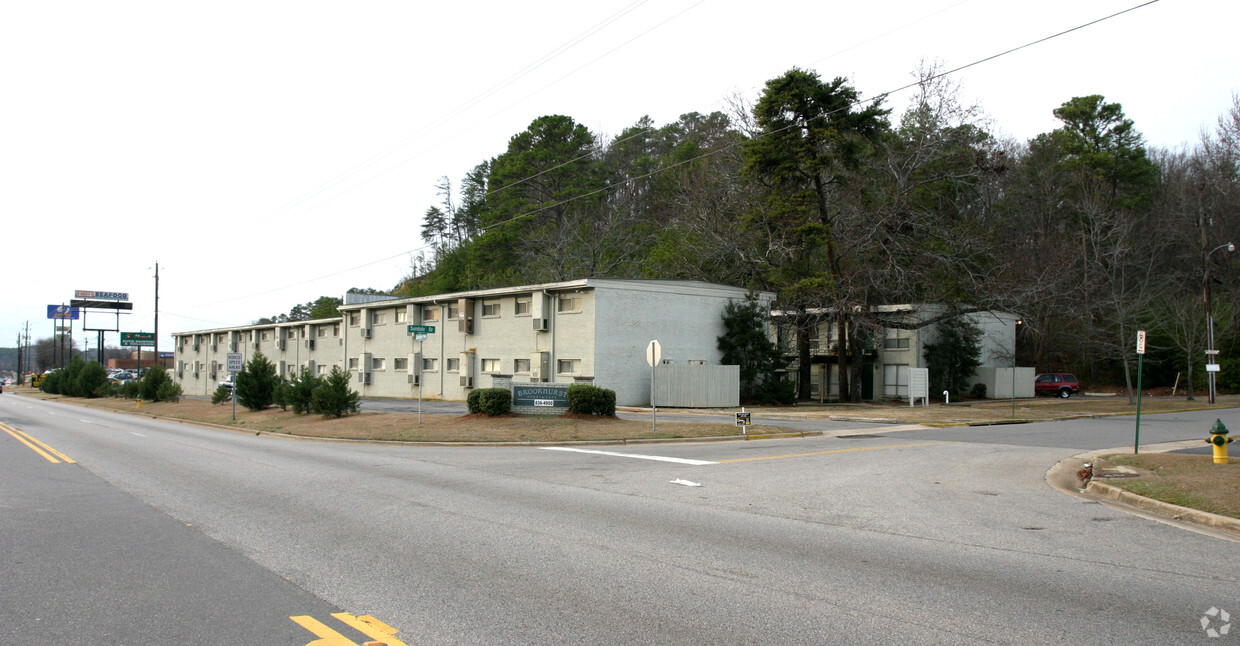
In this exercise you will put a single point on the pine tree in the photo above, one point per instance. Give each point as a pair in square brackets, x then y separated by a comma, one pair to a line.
[334, 398]
[256, 383]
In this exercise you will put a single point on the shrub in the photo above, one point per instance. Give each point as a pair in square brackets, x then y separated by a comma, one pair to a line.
[334, 398]
[256, 383]
[300, 393]
[978, 391]
[68, 382]
[473, 401]
[776, 391]
[50, 383]
[131, 390]
[591, 400]
[154, 379]
[222, 394]
[170, 391]
[92, 381]
[493, 401]
[280, 397]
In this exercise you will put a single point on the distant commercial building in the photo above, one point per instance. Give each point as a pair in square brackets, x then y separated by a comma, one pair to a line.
[592, 331]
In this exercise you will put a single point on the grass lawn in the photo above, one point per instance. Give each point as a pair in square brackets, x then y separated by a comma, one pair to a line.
[1187, 480]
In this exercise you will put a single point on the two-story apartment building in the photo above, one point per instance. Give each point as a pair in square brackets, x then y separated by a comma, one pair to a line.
[582, 331]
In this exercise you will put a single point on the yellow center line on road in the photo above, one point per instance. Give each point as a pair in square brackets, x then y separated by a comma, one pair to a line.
[851, 450]
[52, 455]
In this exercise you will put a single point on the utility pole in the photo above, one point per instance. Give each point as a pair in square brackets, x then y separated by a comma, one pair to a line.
[156, 314]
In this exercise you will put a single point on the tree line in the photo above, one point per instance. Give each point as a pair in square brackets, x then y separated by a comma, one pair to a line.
[839, 205]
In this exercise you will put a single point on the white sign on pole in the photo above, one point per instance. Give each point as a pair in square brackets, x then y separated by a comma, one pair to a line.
[1140, 341]
[654, 353]
[234, 362]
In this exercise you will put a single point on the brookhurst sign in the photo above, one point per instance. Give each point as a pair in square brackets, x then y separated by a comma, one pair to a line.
[540, 396]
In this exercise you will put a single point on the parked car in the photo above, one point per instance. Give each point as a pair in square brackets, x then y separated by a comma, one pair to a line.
[228, 383]
[122, 377]
[1060, 384]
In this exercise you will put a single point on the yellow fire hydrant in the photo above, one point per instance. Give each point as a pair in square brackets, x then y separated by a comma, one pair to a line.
[1218, 437]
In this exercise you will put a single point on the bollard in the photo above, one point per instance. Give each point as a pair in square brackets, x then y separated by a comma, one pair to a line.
[1218, 438]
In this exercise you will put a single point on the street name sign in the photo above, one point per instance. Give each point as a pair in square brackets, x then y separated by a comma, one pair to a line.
[421, 329]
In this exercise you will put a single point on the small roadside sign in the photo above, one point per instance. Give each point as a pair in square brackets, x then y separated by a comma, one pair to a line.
[421, 329]
[743, 419]
[1140, 341]
[234, 362]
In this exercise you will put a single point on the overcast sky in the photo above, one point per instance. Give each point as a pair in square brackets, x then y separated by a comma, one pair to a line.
[268, 153]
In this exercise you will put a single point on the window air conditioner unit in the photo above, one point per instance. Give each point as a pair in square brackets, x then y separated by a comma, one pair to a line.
[310, 344]
[195, 347]
[232, 346]
[365, 333]
[255, 345]
[467, 382]
[279, 344]
[415, 379]
[214, 348]
[180, 375]
[540, 325]
[366, 378]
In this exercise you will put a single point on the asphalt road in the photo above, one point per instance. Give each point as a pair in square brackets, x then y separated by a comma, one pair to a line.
[933, 536]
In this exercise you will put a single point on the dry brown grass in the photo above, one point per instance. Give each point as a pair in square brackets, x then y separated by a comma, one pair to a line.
[404, 427]
[476, 428]
[1187, 480]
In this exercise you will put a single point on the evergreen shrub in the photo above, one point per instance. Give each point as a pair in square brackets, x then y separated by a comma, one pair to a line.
[591, 400]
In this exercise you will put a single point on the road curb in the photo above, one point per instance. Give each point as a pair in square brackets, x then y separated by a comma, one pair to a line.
[1166, 509]
[1062, 477]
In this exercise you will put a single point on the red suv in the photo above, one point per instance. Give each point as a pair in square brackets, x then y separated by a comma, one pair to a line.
[1062, 384]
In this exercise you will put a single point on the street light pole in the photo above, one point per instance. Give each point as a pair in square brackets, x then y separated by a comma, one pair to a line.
[1211, 353]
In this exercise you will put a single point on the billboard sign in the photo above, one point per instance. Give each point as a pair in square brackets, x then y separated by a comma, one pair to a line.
[140, 339]
[63, 312]
[91, 295]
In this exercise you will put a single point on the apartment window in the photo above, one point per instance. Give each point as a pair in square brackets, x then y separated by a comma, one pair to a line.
[336, 330]
[322, 370]
[376, 363]
[380, 318]
[430, 365]
[896, 340]
[352, 363]
[401, 315]
[523, 306]
[322, 332]
[520, 365]
[490, 365]
[266, 336]
[490, 309]
[568, 366]
[570, 304]
[354, 319]
[430, 314]
[453, 312]
[292, 333]
[400, 364]
[453, 365]
[895, 380]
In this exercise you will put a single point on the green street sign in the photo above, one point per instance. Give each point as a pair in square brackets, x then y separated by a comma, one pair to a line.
[421, 329]
[140, 339]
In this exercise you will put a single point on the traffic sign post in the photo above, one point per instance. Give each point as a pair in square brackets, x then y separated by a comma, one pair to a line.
[1136, 443]
[654, 354]
[234, 364]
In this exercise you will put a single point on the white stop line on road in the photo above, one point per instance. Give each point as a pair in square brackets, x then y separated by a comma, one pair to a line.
[658, 458]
